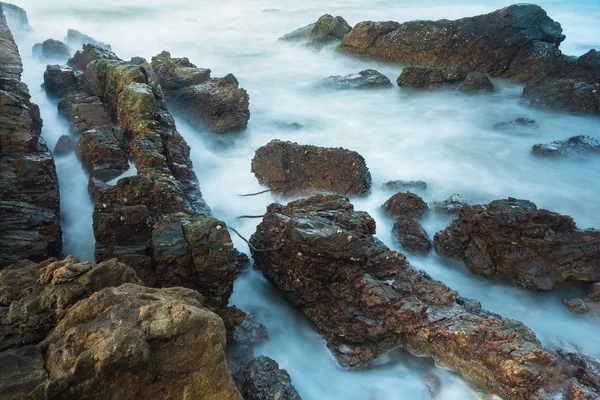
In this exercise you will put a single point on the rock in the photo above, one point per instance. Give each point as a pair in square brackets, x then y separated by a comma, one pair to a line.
[430, 78]
[533, 248]
[30, 207]
[326, 30]
[518, 42]
[34, 297]
[16, 17]
[262, 379]
[518, 123]
[564, 95]
[367, 79]
[476, 82]
[102, 154]
[288, 168]
[405, 205]
[451, 206]
[405, 185]
[577, 145]
[589, 305]
[217, 103]
[54, 50]
[585, 68]
[135, 342]
[76, 40]
[366, 299]
[250, 332]
[36, 50]
[60, 81]
[89, 53]
[21, 371]
[290, 126]
[411, 236]
[84, 112]
[64, 145]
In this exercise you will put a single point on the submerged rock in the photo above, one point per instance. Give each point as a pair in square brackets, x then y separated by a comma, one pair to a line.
[34, 297]
[76, 40]
[367, 79]
[262, 379]
[519, 42]
[513, 238]
[589, 305]
[400, 185]
[60, 81]
[518, 123]
[326, 30]
[405, 205]
[367, 300]
[64, 145]
[564, 95]
[138, 342]
[451, 206]
[289, 168]
[411, 236]
[430, 78]
[576, 145]
[53, 50]
[476, 82]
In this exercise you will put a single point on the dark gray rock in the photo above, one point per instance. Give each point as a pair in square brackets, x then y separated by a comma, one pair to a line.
[411, 236]
[451, 206]
[401, 185]
[262, 379]
[405, 205]
[518, 123]
[564, 95]
[367, 79]
[575, 146]
[431, 77]
[60, 81]
[476, 82]
[54, 50]
[64, 145]
[76, 40]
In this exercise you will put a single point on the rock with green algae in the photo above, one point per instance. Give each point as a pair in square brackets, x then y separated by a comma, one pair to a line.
[367, 300]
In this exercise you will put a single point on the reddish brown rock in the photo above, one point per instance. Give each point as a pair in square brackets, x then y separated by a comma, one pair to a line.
[405, 205]
[411, 236]
[430, 78]
[367, 300]
[289, 168]
[84, 112]
[101, 153]
[534, 248]
[589, 305]
[564, 95]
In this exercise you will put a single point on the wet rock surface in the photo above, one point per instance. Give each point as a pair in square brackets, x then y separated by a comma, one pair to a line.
[564, 95]
[518, 123]
[219, 104]
[451, 206]
[575, 146]
[401, 185]
[430, 78]
[102, 153]
[532, 247]
[34, 297]
[589, 305]
[367, 299]
[518, 42]
[29, 201]
[476, 82]
[411, 236]
[367, 79]
[262, 379]
[288, 168]
[64, 145]
[60, 81]
[53, 50]
[327, 30]
[405, 205]
[76, 40]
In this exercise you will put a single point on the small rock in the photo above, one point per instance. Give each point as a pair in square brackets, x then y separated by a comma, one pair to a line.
[64, 145]
[520, 122]
[262, 379]
[451, 206]
[476, 82]
[367, 79]
[400, 185]
[405, 205]
[411, 236]
[250, 332]
[290, 126]
[576, 145]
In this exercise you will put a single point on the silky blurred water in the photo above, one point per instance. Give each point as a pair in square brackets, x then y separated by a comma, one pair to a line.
[443, 138]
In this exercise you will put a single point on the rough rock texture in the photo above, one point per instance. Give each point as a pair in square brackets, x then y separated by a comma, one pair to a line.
[405, 205]
[476, 82]
[519, 42]
[367, 79]
[84, 112]
[533, 248]
[34, 297]
[245, 336]
[21, 371]
[326, 30]
[53, 50]
[411, 236]
[60, 81]
[589, 305]
[134, 342]
[64, 145]
[367, 300]
[576, 145]
[262, 379]
[400, 185]
[451, 206]
[76, 40]
[564, 95]
[29, 199]
[289, 168]
[89, 53]
[101, 153]
[16, 17]
[217, 103]
[518, 123]
[430, 78]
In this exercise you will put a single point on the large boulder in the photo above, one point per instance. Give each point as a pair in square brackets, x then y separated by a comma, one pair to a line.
[60, 81]
[29, 199]
[262, 379]
[53, 50]
[84, 112]
[564, 95]
[519, 42]
[34, 297]
[534, 248]
[326, 30]
[288, 168]
[64, 145]
[217, 103]
[76, 40]
[367, 300]
[577, 145]
[134, 342]
[405, 205]
[367, 79]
